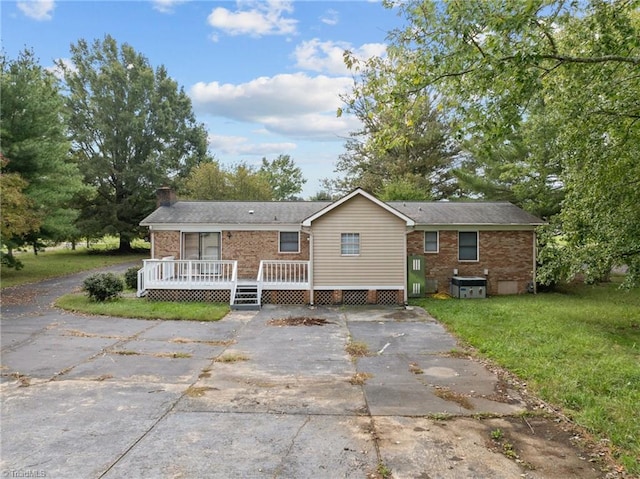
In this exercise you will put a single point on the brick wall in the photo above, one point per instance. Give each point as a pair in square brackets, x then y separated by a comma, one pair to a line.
[249, 247]
[166, 243]
[508, 255]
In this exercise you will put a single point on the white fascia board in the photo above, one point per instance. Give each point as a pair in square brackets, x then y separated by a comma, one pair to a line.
[344, 199]
[475, 227]
[207, 227]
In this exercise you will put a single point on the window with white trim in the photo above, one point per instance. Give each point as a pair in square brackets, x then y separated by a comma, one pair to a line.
[468, 245]
[431, 242]
[289, 242]
[350, 244]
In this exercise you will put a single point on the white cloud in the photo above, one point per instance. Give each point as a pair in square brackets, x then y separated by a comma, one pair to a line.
[37, 9]
[241, 145]
[313, 126]
[330, 17]
[166, 6]
[255, 18]
[295, 105]
[314, 55]
[58, 71]
[283, 94]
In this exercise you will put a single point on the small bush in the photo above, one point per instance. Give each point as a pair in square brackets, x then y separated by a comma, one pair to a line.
[131, 278]
[103, 286]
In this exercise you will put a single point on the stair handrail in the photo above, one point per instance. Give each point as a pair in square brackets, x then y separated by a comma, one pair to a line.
[234, 283]
[259, 280]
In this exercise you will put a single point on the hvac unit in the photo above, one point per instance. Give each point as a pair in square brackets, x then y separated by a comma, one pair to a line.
[468, 288]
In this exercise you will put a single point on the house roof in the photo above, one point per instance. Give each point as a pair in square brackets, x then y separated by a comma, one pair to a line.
[356, 192]
[234, 212]
[465, 213]
[295, 212]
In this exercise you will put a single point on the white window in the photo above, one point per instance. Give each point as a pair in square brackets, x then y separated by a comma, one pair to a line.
[468, 245]
[431, 242]
[289, 242]
[350, 244]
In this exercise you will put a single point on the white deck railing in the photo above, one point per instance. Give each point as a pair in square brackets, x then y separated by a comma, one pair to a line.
[283, 274]
[169, 273]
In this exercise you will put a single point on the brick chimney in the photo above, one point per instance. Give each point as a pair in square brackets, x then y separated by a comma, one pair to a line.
[165, 196]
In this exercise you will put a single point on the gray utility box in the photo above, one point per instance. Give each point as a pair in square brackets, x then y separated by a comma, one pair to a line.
[468, 288]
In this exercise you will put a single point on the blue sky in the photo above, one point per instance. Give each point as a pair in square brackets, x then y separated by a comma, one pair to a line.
[264, 76]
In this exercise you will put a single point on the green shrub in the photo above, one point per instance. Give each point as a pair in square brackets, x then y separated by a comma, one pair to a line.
[131, 277]
[103, 286]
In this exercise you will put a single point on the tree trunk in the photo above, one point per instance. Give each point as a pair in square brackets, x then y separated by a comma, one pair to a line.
[125, 244]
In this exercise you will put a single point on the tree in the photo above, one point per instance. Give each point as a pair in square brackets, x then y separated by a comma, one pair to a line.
[512, 171]
[245, 183]
[505, 69]
[322, 195]
[210, 181]
[408, 143]
[133, 131]
[18, 215]
[35, 155]
[284, 177]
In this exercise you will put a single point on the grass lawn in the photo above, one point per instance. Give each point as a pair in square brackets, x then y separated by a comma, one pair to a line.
[59, 262]
[578, 349]
[142, 308]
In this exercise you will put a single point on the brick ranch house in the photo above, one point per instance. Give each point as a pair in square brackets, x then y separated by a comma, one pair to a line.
[356, 250]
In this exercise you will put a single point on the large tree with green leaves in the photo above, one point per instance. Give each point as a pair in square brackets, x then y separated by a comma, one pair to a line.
[133, 130]
[284, 177]
[35, 155]
[211, 181]
[560, 76]
[18, 215]
[403, 148]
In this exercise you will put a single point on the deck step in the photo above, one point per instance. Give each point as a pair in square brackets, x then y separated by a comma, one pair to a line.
[246, 298]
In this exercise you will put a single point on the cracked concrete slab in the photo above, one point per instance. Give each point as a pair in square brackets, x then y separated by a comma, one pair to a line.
[77, 428]
[251, 397]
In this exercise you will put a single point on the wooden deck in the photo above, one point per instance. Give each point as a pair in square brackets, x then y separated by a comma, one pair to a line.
[170, 273]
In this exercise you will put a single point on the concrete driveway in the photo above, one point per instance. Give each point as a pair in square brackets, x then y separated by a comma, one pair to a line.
[253, 396]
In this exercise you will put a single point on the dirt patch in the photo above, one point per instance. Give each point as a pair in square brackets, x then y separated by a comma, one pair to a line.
[415, 369]
[403, 315]
[449, 395]
[359, 378]
[527, 440]
[299, 321]
[231, 358]
[357, 349]
[221, 342]
[524, 447]
[196, 392]
[81, 334]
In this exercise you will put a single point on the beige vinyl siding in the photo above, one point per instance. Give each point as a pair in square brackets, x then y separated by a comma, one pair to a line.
[381, 261]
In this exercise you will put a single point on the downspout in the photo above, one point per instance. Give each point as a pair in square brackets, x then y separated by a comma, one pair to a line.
[406, 273]
[310, 267]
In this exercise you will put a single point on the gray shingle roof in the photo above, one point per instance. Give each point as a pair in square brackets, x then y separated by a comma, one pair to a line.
[294, 212]
[234, 212]
[465, 213]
